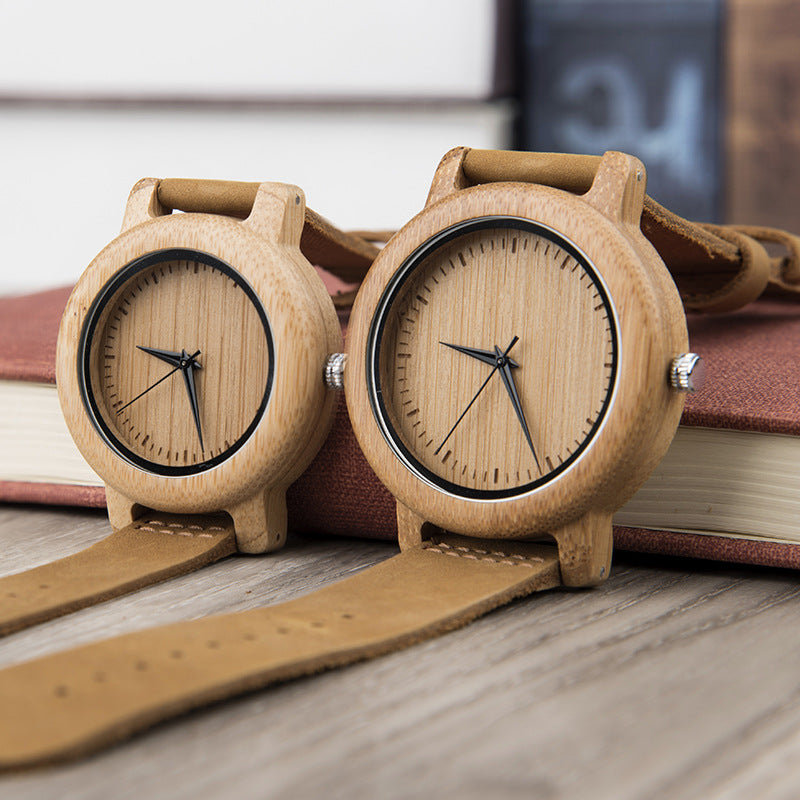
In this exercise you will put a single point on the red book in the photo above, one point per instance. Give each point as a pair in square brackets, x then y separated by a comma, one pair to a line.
[728, 489]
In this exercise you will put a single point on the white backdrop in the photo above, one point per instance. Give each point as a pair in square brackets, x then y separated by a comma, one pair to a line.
[95, 95]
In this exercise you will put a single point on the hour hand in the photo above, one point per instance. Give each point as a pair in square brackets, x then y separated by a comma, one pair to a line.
[172, 358]
[487, 356]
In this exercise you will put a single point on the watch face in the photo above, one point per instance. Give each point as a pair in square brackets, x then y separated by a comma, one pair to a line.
[492, 358]
[175, 362]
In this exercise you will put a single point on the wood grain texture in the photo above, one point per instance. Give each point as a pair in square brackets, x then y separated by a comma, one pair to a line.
[675, 679]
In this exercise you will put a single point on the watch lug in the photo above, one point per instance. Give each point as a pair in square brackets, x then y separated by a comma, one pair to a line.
[278, 213]
[260, 523]
[449, 176]
[121, 510]
[584, 549]
[619, 187]
[142, 204]
[409, 527]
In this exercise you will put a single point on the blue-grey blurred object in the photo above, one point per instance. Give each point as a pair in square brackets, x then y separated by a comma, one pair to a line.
[640, 76]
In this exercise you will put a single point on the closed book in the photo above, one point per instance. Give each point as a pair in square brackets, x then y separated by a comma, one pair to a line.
[728, 488]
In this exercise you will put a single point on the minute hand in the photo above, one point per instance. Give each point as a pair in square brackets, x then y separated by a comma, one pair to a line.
[511, 388]
[191, 390]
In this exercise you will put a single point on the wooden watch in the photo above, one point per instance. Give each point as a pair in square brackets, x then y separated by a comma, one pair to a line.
[190, 373]
[514, 370]
[517, 352]
[516, 345]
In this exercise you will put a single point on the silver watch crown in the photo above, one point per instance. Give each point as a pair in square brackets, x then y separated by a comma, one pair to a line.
[334, 371]
[687, 372]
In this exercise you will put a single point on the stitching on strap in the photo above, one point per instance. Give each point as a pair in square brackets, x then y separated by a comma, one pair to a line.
[476, 554]
[177, 529]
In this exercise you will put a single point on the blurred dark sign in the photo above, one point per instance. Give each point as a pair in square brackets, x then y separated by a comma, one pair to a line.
[642, 77]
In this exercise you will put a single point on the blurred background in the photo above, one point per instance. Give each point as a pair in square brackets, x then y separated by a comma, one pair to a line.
[357, 101]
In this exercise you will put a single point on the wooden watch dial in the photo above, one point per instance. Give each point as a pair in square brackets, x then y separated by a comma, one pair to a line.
[176, 362]
[493, 357]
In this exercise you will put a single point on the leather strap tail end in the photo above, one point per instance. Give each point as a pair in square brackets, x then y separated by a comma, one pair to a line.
[76, 702]
[148, 551]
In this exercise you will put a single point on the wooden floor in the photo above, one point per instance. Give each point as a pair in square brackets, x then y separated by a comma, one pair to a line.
[677, 679]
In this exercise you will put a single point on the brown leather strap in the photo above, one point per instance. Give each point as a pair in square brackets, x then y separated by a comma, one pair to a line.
[148, 551]
[716, 268]
[786, 268]
[346, 255]
[75, 702]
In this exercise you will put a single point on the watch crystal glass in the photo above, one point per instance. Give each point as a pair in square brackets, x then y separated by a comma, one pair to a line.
[176, 362]
[492, 358]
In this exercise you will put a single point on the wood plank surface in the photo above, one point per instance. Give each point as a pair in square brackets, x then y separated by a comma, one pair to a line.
[675, 679]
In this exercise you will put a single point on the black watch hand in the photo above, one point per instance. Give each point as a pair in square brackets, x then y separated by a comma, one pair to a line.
[498, 362]
[511, 388]
[165, 355]
[191, 390]
[190, 360]
[487, 356]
